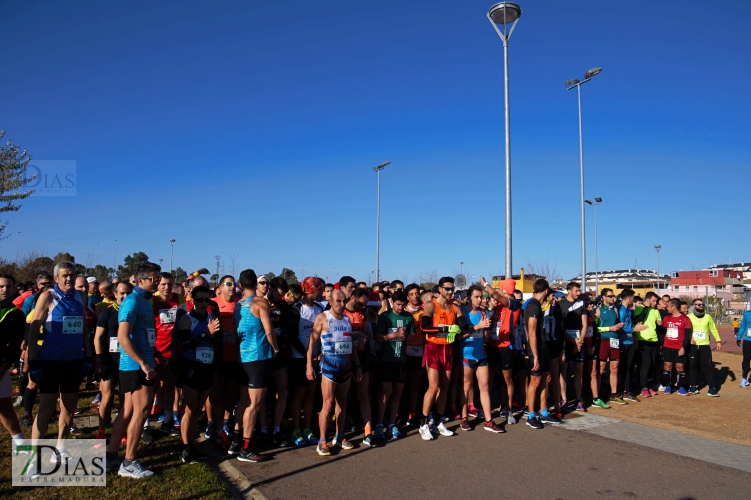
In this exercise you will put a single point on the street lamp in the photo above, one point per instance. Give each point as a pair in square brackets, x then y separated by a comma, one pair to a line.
[570, 84]
[377, 169]
[505, 14]
[18, 239]
[657, 249]
[597, 266]
[172, 250]
[114, 261]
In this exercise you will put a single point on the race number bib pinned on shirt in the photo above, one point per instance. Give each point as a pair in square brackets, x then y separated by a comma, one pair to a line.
[205, 355]
[73, 324]
[343, 347]
[114, 345]
[495, 333]
[699, 335]
[477, 334]
[615, 343]
[590, 331]
[151, 336]
[414, 350]
[397, 346]
[672, 333]
[228, 336]
[572, 333]
[167, 316]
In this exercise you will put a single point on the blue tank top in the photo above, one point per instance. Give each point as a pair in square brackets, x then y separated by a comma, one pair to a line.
[63, 327]
[474, 345]
[254, 346]
[204, 350]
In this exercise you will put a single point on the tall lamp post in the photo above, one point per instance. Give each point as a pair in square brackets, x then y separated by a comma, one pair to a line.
[18, 239]
[506, 15]
[171, 252]
[597, 265]
[377, 169]
[571, 84]
[657, 249]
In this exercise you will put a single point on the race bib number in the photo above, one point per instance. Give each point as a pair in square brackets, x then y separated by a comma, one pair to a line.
[615, 343]
[699, 335]
[477, 334]
[589, 331]
[398, 347]
[228, 336]
[114, 345]
[167, 316]
[572, 333]
[414, 350]
[205, 355]
[672, 333]
[72, 324]
[151, 336]
[343, 347]
[495, 333]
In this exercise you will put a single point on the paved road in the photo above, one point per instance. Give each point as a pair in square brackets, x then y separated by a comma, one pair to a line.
[553, 463]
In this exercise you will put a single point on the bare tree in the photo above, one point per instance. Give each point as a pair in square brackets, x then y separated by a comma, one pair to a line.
[542, 268]
[233, 263]
[427, 278]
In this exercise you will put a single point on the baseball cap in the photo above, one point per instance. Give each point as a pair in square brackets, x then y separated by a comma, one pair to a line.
[91, 279]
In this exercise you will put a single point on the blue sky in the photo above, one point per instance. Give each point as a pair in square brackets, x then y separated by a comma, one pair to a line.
[251, 128]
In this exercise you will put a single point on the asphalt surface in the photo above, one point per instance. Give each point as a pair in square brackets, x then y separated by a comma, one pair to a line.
[553, 463]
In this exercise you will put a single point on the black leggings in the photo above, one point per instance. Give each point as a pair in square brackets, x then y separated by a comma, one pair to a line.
[648, 352]
[746, 363]
[624, 367]
[701, 355]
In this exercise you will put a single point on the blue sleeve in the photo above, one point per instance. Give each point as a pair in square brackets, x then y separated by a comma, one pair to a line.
[28, 303]
[238, 315]
[627, 319]
[127, 310]
[744, 325]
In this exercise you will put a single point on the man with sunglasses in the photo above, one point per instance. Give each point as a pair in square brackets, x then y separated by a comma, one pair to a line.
[442, 322]
[608, 325]
[700, 352]
[225, 392]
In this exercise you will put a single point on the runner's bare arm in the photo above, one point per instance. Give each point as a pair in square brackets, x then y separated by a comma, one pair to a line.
[501, 298]
[99, 336]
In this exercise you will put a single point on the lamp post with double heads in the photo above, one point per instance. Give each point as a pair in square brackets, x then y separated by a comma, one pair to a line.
[506, 15]
[377, 169]
[597, 265]
[171, 252]
[571, 84]
[657, 249]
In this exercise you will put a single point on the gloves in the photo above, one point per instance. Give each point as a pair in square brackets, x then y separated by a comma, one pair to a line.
[738, 342]
[454, 330]
[87, 367]
[104, 372]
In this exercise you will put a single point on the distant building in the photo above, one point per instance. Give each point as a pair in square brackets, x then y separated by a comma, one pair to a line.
[639, 280]
[721, 283]
[743, 268]
[524, 282]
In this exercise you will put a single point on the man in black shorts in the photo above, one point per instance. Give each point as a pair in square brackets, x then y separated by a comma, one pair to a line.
[538, 363]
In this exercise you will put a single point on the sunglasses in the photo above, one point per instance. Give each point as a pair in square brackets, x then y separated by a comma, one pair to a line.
[202, 301]
[265, 283]
[698, 305]
[610, 296]
[448, 288]
[46, 283]
[228, 283]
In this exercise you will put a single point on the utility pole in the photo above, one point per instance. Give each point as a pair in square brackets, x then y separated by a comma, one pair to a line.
[217, 269]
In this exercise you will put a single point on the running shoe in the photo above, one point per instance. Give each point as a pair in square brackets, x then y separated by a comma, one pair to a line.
[74, 430]
[617, 400]
[175, 421]
[19, 401]
[146, 436]
[694, 391]
[504, 412]
[111, 462]
[630, 397]
[309, 437]
[645, 393]
[550, 419]
[161, 418]
[653, 392]
[667, 390]
[473, 412]
[297, 438]
[280, 441]
[425, 433]
[323, 449]
[395, 432]
[713, 393]
[444, 431]
[210, 431]
[369, 440]
[525, 412]
[744, 384]
[661, 388]
[252, 456]
[190, 455]
[535, 423]
[27, 421]
[166, 427]
[234, 448]
[223, 440]
[492, 427]
[343, 444]
[465, 425]
[511, 419]
[228, 430]
[379, 436]
[134, 470]
[580, 406]
[682, 392]
[602, 404]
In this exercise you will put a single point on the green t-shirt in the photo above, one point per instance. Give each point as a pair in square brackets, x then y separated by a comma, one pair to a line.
[394, 350]
[650, 334]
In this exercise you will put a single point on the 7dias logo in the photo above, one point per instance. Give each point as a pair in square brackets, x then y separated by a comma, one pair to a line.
[44, 462]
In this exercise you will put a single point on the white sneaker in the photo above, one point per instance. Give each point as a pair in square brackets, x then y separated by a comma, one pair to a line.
[661, 388]
[18, 402]
[425, 433]
[135, 470]
[444, 431]
[511, 419]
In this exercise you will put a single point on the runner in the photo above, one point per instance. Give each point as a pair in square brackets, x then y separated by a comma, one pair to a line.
[627, 344]
[701, 351]
[392, 330]
[553, 324]
[415, 348]
[441, 323]
[107, 352]
[675, 347]
[107, 291]
[573, 309]
[538, 363]
[258, 345]
[338, 363]
[12, 328]
[648, 342]
[743, 339]
[59, 364]
[475, 360]
[361, 337]
[300, 323]
[225, 392]
[196, 331]
[136, 336]
[608, 326]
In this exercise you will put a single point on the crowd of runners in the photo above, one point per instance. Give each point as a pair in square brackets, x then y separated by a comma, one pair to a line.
[250, 362]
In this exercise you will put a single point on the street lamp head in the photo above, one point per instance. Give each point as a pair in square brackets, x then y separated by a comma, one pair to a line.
[381, 166]
[588, 202]
[592, 72]
[504, 12]
[568, 83]
[598, 200]
[657, 247]
[172, 240]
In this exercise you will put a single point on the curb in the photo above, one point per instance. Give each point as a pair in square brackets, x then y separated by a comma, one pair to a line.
[222, 465]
